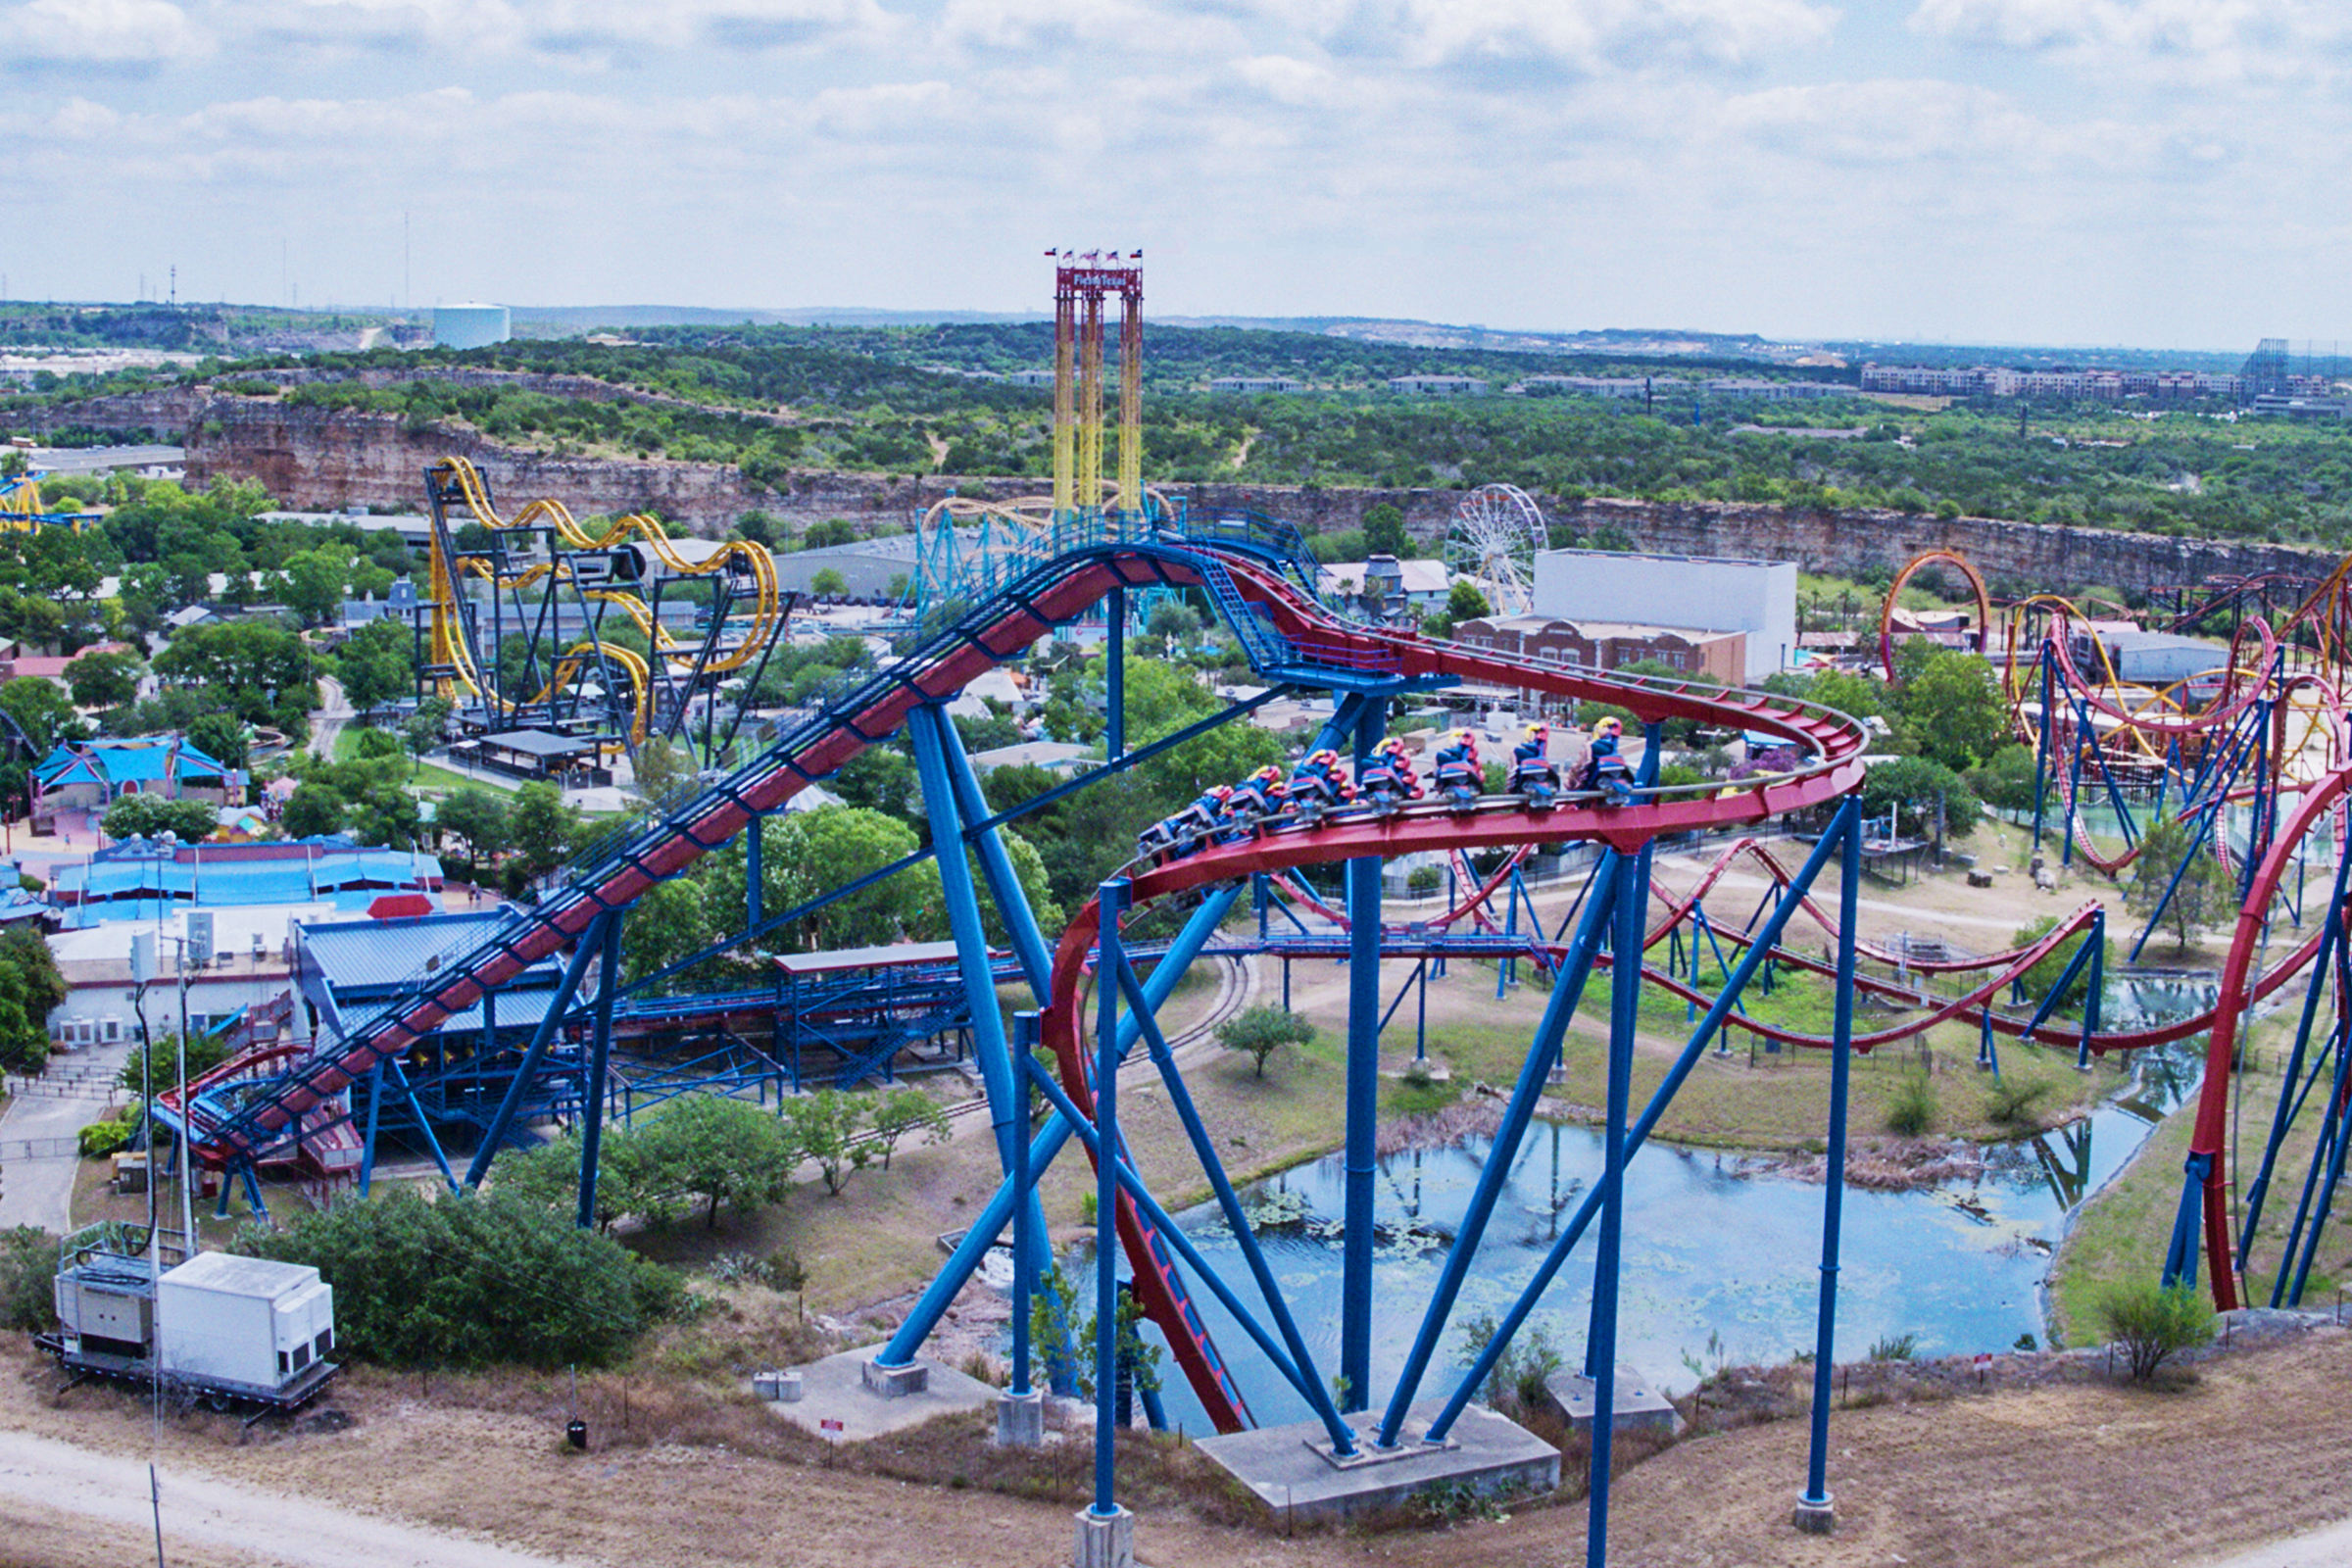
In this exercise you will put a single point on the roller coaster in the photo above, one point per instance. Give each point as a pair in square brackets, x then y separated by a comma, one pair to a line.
[533, 653]
[1257, 576]
[22, 510]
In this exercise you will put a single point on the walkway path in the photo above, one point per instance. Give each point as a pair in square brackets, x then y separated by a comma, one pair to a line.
[37, 1149]
[334, 712]
[215, 1516]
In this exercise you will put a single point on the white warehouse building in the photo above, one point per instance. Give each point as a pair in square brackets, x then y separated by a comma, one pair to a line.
[1757, 596]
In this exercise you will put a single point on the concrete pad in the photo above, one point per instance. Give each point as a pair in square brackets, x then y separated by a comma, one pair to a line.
[835, 1389]
[1294, 1473]
[1639, 1405]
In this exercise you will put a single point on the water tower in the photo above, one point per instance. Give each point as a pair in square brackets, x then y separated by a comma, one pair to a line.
[471, 326]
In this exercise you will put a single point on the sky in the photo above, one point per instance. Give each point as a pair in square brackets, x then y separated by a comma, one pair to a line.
[2152, 172]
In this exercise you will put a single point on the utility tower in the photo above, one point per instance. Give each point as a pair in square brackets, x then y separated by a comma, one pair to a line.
[1081, 283]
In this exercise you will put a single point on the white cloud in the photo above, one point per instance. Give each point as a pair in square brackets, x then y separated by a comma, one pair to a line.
[117, 33]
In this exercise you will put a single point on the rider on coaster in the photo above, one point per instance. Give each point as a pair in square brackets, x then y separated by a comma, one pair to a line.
[1604, 769]
[1175, 837]
[1260, 796]
[1532, 771]
[1457, 772]
[1387, 773]
[1319, 782]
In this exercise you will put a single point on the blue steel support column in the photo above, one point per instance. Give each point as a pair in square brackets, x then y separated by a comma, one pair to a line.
[417, 1109]
[996, 864]
[1813, 1507]
[1363, 1098]
[1112, 897]
[754, 871]
[1114, 675]
[600, 1059]
[1625, 1019]
[1024, 1272]
[956, 1273]
[1568, 986]
[375, 1098]
[558, 1005]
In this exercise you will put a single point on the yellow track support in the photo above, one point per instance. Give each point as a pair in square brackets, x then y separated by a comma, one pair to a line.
[449, 642]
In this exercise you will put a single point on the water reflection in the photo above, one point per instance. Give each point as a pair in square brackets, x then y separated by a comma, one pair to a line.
[1720, 1254]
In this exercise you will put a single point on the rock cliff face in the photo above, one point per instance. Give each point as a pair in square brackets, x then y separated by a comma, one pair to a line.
[314, 458]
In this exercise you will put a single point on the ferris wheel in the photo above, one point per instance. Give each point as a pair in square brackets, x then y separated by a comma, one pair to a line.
[1495, 534]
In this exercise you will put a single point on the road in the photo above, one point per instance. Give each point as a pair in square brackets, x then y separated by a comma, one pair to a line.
[334, 712]
[108, 1495]
[37, 1189]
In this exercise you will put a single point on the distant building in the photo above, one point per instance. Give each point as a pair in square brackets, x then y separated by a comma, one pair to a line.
[130, 879]
[1757, 389]
[1423, 584]
[1999, 381]
[1605, 645]
[1589, 386]
[1029, 377]
[1757, 598]
[1255, 384]
[88, 775]
[1438, 386]
[471, 326]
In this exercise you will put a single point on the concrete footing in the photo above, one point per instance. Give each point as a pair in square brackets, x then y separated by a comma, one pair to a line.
[1294, 1473]
[846, 1399]
[1104, 1540]
[896, 1382]
[1639, 1406]
[1815, 1516]
[1021, 1420]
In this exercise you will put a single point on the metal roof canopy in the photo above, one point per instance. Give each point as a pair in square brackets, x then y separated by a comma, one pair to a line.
[898, 955]
[538, 742]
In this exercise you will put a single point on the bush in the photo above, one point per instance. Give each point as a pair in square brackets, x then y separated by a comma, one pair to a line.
[1259, 1032]
[1911, 1109]
[103, 1138]
[473, 1280]
[2151, 1322]
[1519, 1372]
[2012, 1101]
[27, 1267]
[1894, 1348]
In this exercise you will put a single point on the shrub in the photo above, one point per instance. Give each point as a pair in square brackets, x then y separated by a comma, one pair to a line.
[103, 1138]
[1911, 1109]
[473, 1280]
[1894, 1348]
[2151, 1322]
[2013, 1099]
[27, 1267]
[1259, 1032]
[1519, 1372]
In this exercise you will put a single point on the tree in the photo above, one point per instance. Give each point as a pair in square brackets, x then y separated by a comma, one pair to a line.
[105, 680]
[30, 989]
[2037, 980]
[1172, 624]
[903, 1112]
[2151, 1321]
[2005, 782]
[1261, 1031]
[1953, 708]
[313, 809]
[2203, 892]
[479, 817]
[825, 1127]
[722, 1150]
[541, 827]
[45, 713]
[1926, 796]
[421, 731]
[315, 580]
[224, 738]
[27, 1268]
[160, 1070]
[433, 1283]
[146, 816]
[671, 922]
[1384, 531]
[377, 665]
[828, 580]
[661, 767]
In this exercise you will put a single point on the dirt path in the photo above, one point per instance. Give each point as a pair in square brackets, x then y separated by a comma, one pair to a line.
[2074, 1473]
[77, 1502]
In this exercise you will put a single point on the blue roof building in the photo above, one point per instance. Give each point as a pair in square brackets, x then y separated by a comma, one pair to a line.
[127, 880]
[87, 775]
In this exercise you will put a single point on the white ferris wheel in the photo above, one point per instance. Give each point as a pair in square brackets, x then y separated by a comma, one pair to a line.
[1495, 534]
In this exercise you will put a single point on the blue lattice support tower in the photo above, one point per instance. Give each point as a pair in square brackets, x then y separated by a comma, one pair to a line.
[600, 1058]
[1815, 1509]
[1363, 1096]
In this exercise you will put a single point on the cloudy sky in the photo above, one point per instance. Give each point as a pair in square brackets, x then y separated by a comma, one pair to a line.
[2163, 173]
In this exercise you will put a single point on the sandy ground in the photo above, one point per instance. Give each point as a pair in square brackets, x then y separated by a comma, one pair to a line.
[2253, 1447]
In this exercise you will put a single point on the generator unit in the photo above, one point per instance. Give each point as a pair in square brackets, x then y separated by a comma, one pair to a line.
[220, 1328]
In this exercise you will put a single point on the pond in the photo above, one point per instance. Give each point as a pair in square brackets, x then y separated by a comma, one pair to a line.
[1721, 1257]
